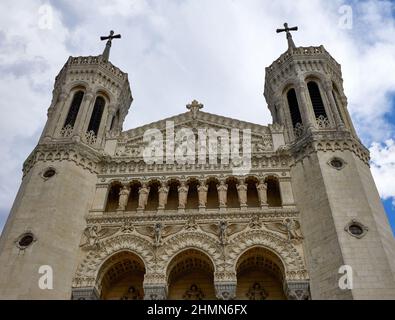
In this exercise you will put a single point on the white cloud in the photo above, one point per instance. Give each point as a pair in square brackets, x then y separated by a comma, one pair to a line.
[383, 167]
[176, 51]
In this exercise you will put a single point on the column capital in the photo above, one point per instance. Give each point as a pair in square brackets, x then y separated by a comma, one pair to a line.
[84, 293]
[225, 290]
[155, 291]
[297, 290]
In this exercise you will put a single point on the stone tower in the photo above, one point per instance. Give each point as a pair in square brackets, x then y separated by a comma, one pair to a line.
[342, 217]
[91, 98]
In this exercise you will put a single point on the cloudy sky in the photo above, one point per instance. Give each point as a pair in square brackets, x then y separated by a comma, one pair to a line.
[179, 50]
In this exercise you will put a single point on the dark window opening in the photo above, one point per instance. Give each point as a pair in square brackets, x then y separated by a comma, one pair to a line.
[94, 123]
[316, 99]
[74, 109]
[294, 108]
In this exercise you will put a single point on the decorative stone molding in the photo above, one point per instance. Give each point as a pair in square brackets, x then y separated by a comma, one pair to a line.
[72, 152]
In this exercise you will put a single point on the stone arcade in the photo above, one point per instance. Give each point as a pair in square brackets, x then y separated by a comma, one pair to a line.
[112, 226]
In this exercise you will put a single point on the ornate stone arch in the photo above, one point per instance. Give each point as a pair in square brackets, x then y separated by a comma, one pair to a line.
[286, 252]
[189, 240]
[88, 270]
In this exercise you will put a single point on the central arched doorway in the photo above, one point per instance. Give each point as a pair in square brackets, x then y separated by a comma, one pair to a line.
[259, 276]
[190, 276]
[121, 277]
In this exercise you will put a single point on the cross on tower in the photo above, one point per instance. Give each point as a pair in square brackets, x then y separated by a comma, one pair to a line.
[106, 52]
[291, 44]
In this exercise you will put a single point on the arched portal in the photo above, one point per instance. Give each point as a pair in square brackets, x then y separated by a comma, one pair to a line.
[190, 276]
[260, 275]
[121, 277]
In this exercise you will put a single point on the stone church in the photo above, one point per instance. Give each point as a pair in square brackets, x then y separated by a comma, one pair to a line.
[107, 222]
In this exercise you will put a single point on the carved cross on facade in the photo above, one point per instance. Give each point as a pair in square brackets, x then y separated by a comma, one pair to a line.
[194, 107]
[106, 52]
[291, 44]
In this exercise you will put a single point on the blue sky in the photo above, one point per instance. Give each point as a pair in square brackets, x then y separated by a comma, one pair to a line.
[177, 51]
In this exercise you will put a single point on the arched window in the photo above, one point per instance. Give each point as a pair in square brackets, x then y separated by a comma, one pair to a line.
[294, 107]
[74, 108]
[94, 123]
[316, 100]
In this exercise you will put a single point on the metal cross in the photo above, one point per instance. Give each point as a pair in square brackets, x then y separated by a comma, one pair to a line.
[106, 52]
[287, 30]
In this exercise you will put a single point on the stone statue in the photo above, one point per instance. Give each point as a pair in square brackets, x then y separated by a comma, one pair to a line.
[202, 192]
[158, 233]
[182, 195]
[163, 192]
[293, 229]
[242, 192]
[123, 198]
[194, 293]
[262, 193]
[256, 292]
[143, 196]
[222, 231]
[222, 194]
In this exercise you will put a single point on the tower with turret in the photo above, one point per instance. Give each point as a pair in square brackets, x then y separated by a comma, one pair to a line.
[90, 100]
[342, 217]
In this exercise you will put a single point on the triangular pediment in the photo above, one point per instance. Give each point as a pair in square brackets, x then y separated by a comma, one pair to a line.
[130, 142]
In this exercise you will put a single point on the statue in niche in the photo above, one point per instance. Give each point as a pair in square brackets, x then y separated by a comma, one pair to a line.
[242, 191]
[262, 193]
[143, 196]
[202, 192]
[193, 293]
[182, 195]
[256, 292]
[132, 294]
[222, 193]
[123, 198]
[163, 192]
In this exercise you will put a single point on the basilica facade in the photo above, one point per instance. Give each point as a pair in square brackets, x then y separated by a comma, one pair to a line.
[118, 214]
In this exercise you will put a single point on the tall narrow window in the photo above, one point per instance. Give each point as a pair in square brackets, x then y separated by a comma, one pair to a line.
[316, 100]
[74, 108]
[294, 107]
[97, 113]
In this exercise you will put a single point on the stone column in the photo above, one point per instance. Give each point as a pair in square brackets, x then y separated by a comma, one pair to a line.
[163, 193]
[80, 123]
[261, 188]
[202, 192]
[111, 114]
[99, 201]
[297, 290]
[54, 115]
[287, 197]
[328, 87]
[242, 193]
[84, 293]
[222, 189]
[182, 196]
[306, 110]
